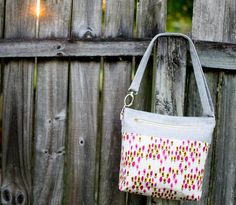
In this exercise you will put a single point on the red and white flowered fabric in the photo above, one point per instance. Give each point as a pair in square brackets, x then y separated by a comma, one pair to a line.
[162, 167]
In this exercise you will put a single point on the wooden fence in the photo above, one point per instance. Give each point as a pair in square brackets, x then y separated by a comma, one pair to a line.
[65, 73]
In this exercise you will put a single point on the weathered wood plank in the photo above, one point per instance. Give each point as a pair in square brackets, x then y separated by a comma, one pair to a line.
[1, 103]
[222, 16]
[193, 108]
[216, 54]
[224, 174]
[170, 82]
[81, 164]
[150, 20]
[1, 113]
[149, 24]
[143, 100]
[193, 105]
[229, 22]
[17, 132]
[86, 18]
[73, 48]
[118, 23]
[212, 54]
[119, 19]
[19, 21]
[84, 100]
[170, 76]
[2, 3]
[151, 17]
[116, 82]
[17, 109]
[2, 6]
[51, 109]
[205, 12]
[50, 127]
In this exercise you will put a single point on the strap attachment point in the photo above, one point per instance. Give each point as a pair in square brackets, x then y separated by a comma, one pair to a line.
[129, 99]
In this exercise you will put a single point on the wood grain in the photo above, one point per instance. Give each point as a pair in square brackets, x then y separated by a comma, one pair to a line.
[224, 174]
[2, 5]
[1, 103]
[170, 76]
[114, 91]
[86, 18]
[19, 22]
[17, 109]
[50, 128]
[51, 109]
[149, 24]
[118, 23]
[17, 132]
[222, 16]
[208, 18]
[81, 185]
[193, 107]
[119, 19]
[81, 164]
[72, 48]
[216, 54]
[212, 54]
[170, 82]
[1, 84]
[151, 17]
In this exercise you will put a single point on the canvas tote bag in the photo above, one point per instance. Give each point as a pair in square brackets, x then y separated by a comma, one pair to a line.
[164, 156]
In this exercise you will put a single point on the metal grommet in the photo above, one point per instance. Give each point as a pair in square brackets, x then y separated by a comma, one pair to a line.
[128, 102]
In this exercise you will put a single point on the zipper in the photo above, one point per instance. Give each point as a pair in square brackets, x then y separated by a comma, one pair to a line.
[159, 124]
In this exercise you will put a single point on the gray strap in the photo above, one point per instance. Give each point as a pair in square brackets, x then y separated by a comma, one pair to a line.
[208, 108]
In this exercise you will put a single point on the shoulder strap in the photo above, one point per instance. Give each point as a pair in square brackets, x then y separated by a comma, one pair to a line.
[208, 108]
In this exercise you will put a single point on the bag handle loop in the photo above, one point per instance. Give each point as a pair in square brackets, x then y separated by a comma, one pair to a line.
[206, 101]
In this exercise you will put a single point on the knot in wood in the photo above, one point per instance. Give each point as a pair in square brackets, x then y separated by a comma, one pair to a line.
[20, 198]
[81, 141]
[6, 195]
[88, 34]
[60, 54]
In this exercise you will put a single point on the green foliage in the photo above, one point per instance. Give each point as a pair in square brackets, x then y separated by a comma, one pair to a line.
[179, 15]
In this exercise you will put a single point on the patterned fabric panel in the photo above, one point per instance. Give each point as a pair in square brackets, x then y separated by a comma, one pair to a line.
[162, 167]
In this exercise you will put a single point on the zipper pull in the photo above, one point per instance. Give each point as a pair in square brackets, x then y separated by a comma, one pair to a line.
[128, 101]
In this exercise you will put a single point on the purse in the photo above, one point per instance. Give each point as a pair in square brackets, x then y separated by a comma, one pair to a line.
[164, 156]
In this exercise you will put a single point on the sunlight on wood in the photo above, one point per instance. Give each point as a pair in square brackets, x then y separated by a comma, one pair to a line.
[38, 11]
[103, 4]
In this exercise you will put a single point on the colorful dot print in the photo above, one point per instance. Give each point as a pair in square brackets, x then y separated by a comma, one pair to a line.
[162, 167]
